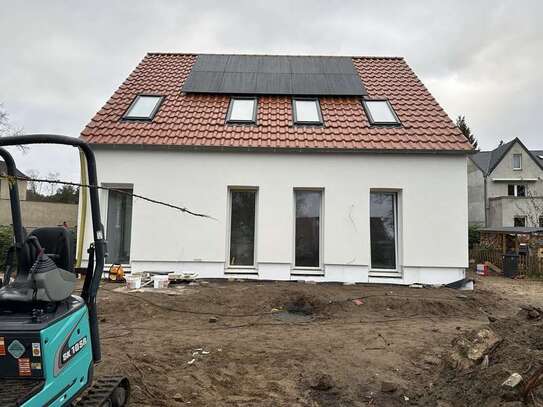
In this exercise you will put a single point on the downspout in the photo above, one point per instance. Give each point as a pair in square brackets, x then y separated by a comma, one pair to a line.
[487, 207]
[83, 198]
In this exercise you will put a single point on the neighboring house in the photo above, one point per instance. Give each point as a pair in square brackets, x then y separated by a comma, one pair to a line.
[505, 187]
[34, 213]
[4, 183]
[322, 168]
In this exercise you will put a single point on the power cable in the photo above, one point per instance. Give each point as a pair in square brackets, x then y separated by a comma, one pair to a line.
[120, 191]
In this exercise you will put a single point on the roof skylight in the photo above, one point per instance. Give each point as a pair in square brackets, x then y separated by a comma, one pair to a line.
[306, 111]
[380, 112]
[242, 110]
[144, 107]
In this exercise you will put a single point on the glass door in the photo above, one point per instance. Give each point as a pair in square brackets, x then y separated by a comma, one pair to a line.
[119, 226]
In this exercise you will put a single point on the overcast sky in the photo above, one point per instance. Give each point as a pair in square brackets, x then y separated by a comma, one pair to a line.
[61, 60]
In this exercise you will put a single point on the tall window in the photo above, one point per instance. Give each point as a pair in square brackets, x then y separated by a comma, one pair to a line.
[383, 230]
[242, 227]
[308, 228]
[517, 161]
[119, 226]
[541, 221]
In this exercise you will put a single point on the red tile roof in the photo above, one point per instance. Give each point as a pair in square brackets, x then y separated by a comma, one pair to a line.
[198, 120]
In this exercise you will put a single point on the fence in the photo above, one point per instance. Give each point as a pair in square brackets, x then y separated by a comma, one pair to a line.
[530, 265]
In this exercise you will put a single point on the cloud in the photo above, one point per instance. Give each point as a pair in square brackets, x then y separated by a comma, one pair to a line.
[61, 60]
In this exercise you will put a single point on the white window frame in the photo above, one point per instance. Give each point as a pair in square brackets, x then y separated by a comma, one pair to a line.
[520, 217]
[520, 162]
[233, 268]
[397, 238]
[515, 187]
[300, 270]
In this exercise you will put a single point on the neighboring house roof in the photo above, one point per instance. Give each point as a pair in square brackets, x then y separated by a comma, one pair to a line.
[488, 160]
[4, 170]
[513, 230]
[538, 154]
[198, 120]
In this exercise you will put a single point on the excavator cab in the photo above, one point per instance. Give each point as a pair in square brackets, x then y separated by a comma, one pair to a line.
[49, 338]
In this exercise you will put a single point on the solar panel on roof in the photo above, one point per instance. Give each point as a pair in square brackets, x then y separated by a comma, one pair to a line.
[274, 75]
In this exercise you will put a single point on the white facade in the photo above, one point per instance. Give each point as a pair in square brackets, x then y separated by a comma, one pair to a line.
[432, 215]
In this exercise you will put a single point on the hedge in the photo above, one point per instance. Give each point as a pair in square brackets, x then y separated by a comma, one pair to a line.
[6, 240]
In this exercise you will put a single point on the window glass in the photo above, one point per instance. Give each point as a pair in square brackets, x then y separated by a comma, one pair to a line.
[380, 112]
[517, 161]
[383, 230]
[119, 226]
[521, 190]
[144, 107]
[520, 221]
[307, 239]
[541, 221]
[242, 110]
[242, 227]
[306, 111]
[511, 190]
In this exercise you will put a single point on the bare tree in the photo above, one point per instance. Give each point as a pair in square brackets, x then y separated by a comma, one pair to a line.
[532, 208]
[33, 186]
[52, 188]
[7, 128]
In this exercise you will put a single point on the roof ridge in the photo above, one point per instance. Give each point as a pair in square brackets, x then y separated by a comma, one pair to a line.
[275, 55]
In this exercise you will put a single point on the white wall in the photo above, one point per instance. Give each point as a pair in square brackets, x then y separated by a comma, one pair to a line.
[433, 206]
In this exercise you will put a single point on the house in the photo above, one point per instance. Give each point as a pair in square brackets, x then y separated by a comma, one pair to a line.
[4, 183]
[323, 168]
[505, 186]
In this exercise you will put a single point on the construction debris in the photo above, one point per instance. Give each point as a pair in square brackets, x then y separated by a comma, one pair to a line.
[471, 349]
[512, 381]
[494, 367]
[179, 277]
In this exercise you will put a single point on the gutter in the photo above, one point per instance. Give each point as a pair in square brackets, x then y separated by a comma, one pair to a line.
[304, 150]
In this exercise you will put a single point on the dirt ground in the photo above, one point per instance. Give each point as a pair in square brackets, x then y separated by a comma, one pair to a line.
[221, 343]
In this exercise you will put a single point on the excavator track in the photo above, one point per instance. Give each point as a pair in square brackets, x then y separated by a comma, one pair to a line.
[106, 391]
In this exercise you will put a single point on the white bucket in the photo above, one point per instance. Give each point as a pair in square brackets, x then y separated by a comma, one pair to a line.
[161, 281]
[133, 282]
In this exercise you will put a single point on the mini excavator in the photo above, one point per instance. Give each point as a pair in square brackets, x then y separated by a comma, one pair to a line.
[49, 339]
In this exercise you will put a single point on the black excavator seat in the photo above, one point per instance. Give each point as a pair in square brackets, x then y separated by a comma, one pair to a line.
[45, 272]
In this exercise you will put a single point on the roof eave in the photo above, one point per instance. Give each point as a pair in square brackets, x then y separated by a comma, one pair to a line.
[281, 150]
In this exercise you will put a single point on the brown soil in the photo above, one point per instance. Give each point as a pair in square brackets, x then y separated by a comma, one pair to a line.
[520, 350]
[295, 344]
